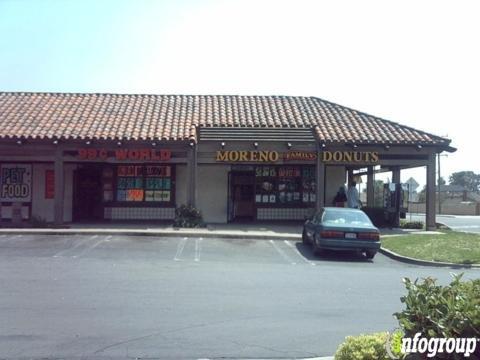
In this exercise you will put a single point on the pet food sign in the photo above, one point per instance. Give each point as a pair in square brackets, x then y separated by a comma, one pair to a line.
[15, 182]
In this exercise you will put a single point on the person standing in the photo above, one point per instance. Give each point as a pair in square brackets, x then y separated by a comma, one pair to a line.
[340, 199]
[353, 200]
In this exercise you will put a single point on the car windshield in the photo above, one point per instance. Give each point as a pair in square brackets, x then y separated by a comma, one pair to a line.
[346, 217]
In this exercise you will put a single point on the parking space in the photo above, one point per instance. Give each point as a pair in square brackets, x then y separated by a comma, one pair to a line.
[178, 249]
[189, 297]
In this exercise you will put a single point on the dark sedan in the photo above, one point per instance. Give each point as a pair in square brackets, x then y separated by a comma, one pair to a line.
[341, 229]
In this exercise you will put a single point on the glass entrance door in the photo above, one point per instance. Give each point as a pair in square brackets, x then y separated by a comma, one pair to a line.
[242, 196]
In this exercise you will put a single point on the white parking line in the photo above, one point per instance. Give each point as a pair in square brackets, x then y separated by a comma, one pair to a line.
[198, 248]
[90, 248]
[77, 245]
[466, 227]
[281, 252]
[180, 247]
[291, 245]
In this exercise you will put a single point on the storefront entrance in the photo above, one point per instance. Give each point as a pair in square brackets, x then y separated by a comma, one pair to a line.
[87, 194]
[241, 196]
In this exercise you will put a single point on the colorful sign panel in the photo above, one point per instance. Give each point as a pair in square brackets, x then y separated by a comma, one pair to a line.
[16, 183]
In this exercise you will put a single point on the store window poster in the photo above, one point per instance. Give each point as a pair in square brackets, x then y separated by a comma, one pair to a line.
[135, 195]
[149, 195]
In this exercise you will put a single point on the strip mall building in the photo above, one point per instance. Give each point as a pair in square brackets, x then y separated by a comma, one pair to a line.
[92, 157]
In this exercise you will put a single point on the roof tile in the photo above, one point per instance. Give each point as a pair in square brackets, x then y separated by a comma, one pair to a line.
[176, 117]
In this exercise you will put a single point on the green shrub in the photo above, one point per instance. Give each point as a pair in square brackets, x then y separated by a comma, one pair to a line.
[187, 216]
[411, 224]
[441, 311]
[38, 221]
[363, 347]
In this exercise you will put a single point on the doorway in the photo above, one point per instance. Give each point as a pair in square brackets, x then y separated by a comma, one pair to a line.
[87, 194]
[241, 197]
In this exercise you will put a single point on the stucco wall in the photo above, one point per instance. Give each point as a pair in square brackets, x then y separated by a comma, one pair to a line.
[335, 177]
[181, 184]
[212, 192]
[44, 208]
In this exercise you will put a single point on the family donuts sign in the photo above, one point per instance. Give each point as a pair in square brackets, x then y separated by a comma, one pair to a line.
[371, 157]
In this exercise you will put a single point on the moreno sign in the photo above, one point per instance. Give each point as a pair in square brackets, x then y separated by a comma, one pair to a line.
[247, 156]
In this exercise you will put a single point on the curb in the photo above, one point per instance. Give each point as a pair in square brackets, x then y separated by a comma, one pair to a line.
[414, 261]
[173, 233]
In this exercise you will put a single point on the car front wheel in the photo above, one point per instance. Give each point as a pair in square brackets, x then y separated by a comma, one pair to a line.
[370, 254]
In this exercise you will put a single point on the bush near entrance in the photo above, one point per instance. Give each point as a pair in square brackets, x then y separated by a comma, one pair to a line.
[187, 216]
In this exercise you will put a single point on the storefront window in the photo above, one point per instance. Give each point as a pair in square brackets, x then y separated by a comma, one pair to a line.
[150, 183]
[289, 185]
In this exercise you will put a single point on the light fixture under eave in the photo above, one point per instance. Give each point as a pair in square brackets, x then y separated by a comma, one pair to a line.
[323, 145]
[192, 143]
[19, 142]
[255, 145]
[55, 142]
[88, 142]
[289, 145]
[387, 147]
[419, 147]
[119, 143]
[222, 144]
[154, 144]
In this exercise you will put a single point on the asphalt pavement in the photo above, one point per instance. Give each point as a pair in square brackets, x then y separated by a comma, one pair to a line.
[455, 222]
[105, 297]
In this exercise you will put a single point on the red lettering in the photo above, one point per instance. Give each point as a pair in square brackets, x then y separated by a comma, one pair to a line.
[121, 154]
[154, 156]
[103, 154]
[165, 155]
[82, 154]
[144, 154]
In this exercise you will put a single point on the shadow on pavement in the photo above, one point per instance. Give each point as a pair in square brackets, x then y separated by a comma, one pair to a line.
[330, 255]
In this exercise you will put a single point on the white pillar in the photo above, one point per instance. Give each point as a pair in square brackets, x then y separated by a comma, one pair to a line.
[431, 188]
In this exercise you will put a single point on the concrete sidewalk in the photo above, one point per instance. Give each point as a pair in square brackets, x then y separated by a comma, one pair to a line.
[291, 231]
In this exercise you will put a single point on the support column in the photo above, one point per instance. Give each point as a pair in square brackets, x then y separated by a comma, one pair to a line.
[396, 175]
[430, 206]
[370, 187]
[59, 187]
[320, 178]
[192, 176]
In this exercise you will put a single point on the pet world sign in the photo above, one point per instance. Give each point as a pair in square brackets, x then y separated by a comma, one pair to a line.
[125, 154]
[16, 183]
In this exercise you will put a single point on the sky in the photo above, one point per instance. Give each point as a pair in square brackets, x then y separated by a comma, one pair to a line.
[412, 62]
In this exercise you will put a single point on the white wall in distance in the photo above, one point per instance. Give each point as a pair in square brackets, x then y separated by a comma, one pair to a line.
[181, 183]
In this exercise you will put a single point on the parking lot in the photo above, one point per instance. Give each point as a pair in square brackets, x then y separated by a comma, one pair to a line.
[110, 296]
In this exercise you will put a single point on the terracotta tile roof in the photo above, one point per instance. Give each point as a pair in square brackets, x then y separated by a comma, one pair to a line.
[176, 117]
